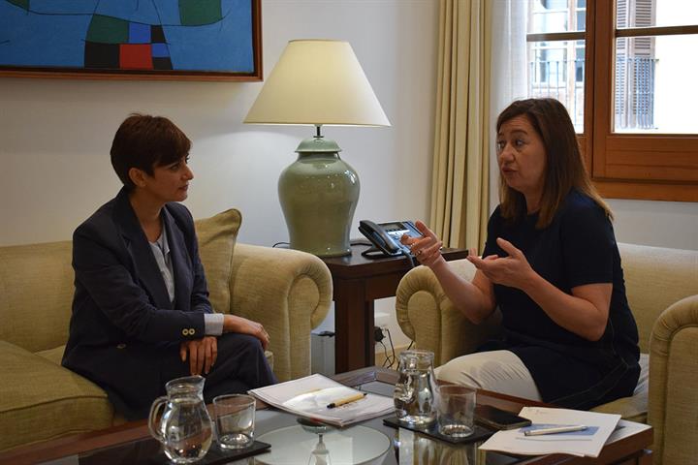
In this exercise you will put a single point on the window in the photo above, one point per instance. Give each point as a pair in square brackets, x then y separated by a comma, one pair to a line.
[556, 60]
[624, 70]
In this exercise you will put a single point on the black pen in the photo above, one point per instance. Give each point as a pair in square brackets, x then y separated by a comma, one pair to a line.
[346, 400]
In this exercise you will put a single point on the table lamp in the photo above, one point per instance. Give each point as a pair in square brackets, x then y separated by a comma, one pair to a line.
[319, 83]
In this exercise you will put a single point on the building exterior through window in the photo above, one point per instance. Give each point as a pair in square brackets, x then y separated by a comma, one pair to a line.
[556, 68]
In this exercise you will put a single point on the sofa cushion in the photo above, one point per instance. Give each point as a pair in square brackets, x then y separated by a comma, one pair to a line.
[42, 400]
[633, 408]
[36, 289]
[655, 278]
[54, 355]
[216, 237]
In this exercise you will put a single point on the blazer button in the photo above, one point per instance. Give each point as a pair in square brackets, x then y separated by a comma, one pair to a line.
[185, 332]
[121, 346]
[191, 331]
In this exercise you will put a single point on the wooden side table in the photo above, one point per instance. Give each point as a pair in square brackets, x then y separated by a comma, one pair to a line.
[358, 281]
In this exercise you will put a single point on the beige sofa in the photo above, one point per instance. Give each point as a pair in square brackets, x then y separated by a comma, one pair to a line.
[662, 289]
[288, 291]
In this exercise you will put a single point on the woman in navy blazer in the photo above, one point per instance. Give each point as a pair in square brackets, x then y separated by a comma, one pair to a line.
[141, 314]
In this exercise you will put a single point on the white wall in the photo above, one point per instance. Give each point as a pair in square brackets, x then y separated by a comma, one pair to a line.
[55, 135]
[660, 224]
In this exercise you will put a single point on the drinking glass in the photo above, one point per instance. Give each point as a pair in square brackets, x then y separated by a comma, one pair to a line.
[455, 410]
[234, 420]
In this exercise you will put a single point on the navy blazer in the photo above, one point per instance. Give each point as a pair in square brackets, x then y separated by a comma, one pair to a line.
[124, 330]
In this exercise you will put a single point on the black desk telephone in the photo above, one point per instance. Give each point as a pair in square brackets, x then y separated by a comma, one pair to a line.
[386, 236]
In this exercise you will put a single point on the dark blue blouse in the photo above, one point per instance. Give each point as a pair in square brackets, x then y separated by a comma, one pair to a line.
[578, 248]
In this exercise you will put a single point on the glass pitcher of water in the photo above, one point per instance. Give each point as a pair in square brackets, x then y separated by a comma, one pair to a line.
[185, 428]
[415, 391]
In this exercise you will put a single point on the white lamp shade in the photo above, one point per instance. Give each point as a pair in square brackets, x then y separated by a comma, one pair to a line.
[318, 82]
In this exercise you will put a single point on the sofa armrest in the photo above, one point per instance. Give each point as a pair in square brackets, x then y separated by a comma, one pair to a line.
[289, 292]
[674, 382]
[429, 318]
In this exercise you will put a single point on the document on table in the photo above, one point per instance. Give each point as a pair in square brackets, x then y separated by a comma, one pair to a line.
[310, 397]
[585, 443]
[626, 428]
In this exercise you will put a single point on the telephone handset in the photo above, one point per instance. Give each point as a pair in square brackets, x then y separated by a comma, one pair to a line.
[386, 236]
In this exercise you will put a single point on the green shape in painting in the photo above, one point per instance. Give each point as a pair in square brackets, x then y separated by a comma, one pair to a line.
[21, 3]
[107, 30]
[199, 12]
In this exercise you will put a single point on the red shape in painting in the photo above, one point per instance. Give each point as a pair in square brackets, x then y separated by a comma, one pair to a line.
[135, 56]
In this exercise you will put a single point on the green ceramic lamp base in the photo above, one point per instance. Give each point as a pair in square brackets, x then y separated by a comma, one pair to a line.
[318, 194]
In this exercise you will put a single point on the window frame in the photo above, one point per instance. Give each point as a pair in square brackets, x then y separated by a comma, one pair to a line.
[622, 165]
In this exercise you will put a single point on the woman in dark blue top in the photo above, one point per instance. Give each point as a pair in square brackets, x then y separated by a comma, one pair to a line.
[551, 264]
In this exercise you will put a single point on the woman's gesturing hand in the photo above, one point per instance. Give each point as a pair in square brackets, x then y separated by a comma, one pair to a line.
[202, 354]
[427, 249]
[237, 324]
[512, 271]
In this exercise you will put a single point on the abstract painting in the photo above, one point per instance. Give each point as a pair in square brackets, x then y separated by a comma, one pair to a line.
[169, 39]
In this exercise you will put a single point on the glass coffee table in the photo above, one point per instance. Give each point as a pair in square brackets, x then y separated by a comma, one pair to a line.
[371, 442]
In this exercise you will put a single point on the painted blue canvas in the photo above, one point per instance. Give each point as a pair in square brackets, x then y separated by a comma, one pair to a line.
[122, 36]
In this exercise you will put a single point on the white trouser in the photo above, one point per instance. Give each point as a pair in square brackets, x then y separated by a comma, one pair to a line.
[499, 371]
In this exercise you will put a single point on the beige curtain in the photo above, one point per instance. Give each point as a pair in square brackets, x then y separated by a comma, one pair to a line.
[460, 181]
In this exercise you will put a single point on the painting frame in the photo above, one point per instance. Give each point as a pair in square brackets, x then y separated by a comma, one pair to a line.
[57, 72]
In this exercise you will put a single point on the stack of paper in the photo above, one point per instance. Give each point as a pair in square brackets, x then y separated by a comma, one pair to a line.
[311, 397]
[585, 443]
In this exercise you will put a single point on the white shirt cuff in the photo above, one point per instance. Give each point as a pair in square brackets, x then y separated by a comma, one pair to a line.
[213, 324]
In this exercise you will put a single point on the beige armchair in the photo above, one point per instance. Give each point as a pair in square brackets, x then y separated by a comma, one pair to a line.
[662, 289]
[288, 291]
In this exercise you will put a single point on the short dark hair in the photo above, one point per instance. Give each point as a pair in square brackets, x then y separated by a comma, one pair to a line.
[564, 163]
[144, 142]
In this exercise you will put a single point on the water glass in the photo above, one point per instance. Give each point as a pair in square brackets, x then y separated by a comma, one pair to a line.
[234, 420]
[455, 410]
[414, 395]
